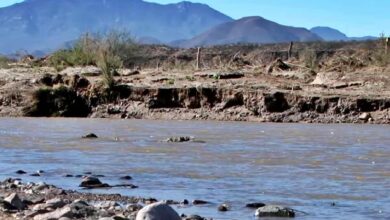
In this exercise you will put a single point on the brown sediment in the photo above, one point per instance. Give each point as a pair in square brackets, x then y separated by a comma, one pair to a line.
[345, 87]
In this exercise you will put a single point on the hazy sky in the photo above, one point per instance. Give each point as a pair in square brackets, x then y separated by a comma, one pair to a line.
[353, 17]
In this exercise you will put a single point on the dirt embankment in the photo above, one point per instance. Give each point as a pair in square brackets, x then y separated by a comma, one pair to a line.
[342, 84]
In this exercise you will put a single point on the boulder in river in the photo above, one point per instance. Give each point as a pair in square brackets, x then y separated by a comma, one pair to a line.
[275, 211]
[92, 182]
[90, 136]
[157, 211]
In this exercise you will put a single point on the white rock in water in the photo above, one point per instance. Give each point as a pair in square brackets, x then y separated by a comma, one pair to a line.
[157, 211]
[275, 211]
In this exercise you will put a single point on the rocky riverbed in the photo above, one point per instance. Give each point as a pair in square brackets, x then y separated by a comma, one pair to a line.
[40, 201]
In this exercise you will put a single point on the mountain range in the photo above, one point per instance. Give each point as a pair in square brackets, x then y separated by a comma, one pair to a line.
[250, 30]
[44, 25]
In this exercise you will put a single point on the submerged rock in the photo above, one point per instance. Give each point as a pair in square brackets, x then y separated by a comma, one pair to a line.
[275, 211]
[255, 205]
[126, 178]
[20, 172]
[199, 202]
[223, 208]
[90, 136]
[179, 139]
[157, 211]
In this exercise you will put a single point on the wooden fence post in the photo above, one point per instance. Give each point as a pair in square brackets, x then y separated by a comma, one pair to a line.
[198, 59]
[290, 49]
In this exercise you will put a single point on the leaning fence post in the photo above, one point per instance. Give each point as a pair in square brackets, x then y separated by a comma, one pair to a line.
[198, 59]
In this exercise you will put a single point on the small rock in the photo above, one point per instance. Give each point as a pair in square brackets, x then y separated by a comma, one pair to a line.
[20, 172]
[41, 208]
[41, 186]
[126, 178]
[4, 206]
[171, 202]
[79, 203]
[199, 202]
[223, 208]
[275, 211]
[54, 191]
[106, 204]
[193, 217]
[365, 116]
[157, 211]
[15, 201]
[255, 205]
[33, 200]
[185, 202]
[68, 175]
[35, 174]
[178, 139]
[57, 214]
[118, 217]
[133, 207]
[56, 203]
[90, 136]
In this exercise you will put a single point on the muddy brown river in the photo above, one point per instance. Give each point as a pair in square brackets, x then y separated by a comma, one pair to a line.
[323, 171]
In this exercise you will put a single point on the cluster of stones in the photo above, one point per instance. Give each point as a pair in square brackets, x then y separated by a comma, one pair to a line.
[46, 202]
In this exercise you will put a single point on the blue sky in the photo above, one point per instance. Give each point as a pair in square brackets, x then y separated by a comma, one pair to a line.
[353, 17]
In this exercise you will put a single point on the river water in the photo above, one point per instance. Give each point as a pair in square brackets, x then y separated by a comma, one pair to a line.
[323, 171]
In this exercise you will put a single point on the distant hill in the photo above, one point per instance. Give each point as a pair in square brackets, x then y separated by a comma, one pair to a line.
[47, 24]
[331, 34]
[250, 30]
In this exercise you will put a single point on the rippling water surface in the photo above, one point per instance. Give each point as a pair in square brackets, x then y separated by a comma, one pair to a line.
[306, 167]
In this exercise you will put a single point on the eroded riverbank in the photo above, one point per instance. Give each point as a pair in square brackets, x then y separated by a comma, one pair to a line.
[327, 98]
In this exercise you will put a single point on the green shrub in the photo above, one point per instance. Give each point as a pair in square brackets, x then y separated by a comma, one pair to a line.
[87, 50]
[310, 59]
[381, 56]
[109, 64]
[4, 61]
